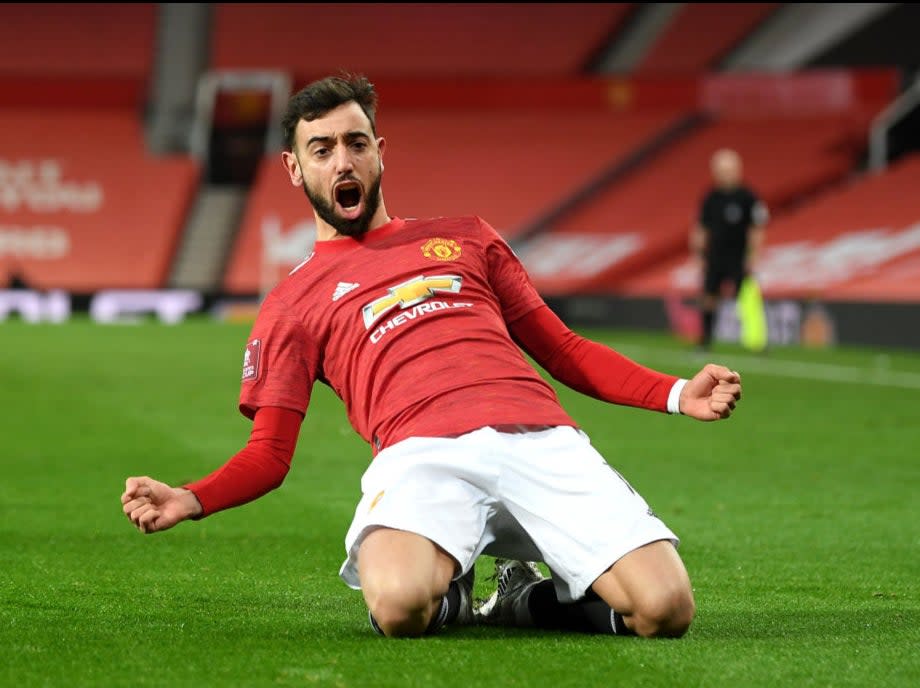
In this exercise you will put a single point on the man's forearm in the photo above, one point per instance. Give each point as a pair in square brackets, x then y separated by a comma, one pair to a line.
[245, 477]
[255, 470]
[600, 372]
[590, 367]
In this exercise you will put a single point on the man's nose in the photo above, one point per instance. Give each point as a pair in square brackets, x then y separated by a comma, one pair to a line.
[343, 161]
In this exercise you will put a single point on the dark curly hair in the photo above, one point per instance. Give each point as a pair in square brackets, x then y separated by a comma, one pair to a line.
[316, 99]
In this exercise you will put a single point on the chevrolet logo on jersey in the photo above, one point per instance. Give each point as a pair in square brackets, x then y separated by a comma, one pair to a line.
[410, 293]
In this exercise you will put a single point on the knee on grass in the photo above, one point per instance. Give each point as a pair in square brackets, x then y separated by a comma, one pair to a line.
[665, 613]
[401, 609]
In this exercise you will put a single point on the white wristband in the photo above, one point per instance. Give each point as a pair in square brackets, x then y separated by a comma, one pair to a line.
[674, 396]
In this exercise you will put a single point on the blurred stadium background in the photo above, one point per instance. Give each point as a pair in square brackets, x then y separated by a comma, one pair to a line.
[140, 182]
[139, 166]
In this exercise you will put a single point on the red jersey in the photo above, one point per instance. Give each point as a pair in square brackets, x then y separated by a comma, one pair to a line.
[409, 326]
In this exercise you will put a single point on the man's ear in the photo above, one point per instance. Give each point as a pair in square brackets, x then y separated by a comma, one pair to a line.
[292, 166]
[381, 146]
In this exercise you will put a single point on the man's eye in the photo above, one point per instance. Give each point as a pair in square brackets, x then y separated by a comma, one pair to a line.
[320, 152]
[359, 145]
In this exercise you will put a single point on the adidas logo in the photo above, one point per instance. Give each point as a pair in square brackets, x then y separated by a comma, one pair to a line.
[343, 288]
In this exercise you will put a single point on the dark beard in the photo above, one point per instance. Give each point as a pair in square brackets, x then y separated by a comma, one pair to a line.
[351, 228]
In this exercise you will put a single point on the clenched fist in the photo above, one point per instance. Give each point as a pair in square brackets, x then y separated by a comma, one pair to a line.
[711, 394]
[153, 506]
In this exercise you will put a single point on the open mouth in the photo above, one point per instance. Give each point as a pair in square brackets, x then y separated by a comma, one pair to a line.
[348, 195]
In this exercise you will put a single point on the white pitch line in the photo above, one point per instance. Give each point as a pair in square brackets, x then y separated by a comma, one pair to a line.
[803, 370]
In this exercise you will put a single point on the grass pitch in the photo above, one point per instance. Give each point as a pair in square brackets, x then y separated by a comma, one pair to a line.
[798, 518]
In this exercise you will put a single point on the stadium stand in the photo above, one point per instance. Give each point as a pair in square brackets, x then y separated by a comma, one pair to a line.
[413, 40]
[77, 54]
[473, 97]
[83, 205]
[444, 147]
[787, 159]
[857, 242]
[700, 34]
[793, 153]
[445, 162]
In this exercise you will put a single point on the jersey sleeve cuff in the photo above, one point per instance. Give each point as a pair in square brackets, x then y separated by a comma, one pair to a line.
[674, 396]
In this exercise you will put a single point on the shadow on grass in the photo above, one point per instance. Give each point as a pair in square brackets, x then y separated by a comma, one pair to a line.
[720, 626]
[224, 608]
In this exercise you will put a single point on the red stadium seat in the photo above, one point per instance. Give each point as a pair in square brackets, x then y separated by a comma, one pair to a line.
[83, 205]
[82, 54]
[412, 40]
[700, 33]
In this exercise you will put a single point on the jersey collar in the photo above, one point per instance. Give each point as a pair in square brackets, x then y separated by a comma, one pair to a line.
[349, 243]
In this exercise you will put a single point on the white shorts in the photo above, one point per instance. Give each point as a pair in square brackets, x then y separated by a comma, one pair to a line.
[545, 496]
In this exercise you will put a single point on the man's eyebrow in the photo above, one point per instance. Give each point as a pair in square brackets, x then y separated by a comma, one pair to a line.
[320, 139]
[349, 136]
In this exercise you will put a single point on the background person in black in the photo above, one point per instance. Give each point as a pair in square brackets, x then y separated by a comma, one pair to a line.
[728, 234]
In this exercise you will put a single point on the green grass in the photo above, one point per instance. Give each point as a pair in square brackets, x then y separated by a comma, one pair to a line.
[798, 518]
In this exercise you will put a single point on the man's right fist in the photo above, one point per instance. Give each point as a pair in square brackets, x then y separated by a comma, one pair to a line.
[153, 506]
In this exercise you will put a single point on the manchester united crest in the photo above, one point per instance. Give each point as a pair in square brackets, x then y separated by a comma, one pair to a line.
[443, 250]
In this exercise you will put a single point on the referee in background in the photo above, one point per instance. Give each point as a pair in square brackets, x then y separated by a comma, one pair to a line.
[727, 236]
